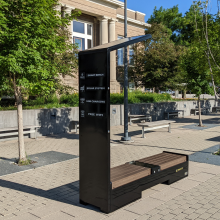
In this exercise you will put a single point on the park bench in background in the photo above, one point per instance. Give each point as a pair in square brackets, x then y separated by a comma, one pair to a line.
[13, 131]
[76, 125]
[139, 117]
[173, 113]
[196, 110]
[216, 109]
[147, 126]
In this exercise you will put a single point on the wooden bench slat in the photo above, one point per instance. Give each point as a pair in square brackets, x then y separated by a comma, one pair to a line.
[126, 171]
[165, 163]
[162, 160]
[128, 177]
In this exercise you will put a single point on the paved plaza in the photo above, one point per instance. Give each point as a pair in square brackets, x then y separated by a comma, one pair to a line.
[51, 192]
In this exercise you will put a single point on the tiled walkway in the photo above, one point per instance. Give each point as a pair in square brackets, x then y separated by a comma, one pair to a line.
[52, 191]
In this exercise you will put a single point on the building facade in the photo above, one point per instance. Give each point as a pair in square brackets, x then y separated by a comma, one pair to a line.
[101, 22]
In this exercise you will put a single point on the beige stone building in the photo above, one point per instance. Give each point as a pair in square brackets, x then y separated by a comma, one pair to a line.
[102, 21]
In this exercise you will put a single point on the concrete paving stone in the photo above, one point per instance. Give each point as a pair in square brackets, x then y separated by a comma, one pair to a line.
[212, 211]
[154, 211]
[78, 210]
[196, 206]
[193, 216]
[216, 215]
[168, 217]
[91, 216]
[47, 209]
[156, 217]
[205, 215]
[180, 216]
[185, 184]
[58, 216]
[124, 215]
[24, 216]
[7, 216]
[200, 210]
[177, 211]
[148, 192]
[167, 194]
[160, 187]
[189, 211]
[202, 177]
[143, 217]
[144, 206]
[165, 212]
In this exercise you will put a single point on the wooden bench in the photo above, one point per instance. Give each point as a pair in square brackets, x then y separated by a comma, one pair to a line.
[139, 117]
[216, 109]
[173, 113]
[136, 170]
[196, 110]
[13, 131]
[147, 126]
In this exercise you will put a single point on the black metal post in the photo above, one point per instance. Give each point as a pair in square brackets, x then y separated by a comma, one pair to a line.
[125, 138]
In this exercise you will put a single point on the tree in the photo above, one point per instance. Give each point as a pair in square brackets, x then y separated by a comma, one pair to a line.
[35, 50]
[156, 60]
[170, 18]
[208, 35]
[197, 72]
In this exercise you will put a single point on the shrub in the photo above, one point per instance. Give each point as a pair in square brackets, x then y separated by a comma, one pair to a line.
[72, 99]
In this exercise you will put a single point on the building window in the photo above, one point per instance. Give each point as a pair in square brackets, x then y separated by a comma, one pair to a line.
[131, 53]
[120, 53]
[80, 42]
[78, 27]
[82, 35]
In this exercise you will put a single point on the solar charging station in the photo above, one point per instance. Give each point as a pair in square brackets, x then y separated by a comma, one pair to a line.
[100, 185]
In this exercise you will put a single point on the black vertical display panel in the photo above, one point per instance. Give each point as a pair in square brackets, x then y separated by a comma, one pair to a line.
[94, 135]
[94, 129]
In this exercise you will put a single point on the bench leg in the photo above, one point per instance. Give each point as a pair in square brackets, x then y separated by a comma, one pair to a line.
[76, 126]
[143, 132]
[130, 122]
[169, 128]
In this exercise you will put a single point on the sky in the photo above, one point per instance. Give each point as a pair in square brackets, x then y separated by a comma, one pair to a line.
[147, 6]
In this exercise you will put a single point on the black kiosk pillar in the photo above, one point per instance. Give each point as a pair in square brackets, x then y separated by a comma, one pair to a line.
[108, 189]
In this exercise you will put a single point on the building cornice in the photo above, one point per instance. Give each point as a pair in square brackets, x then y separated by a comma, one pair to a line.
[115, 2]
[133, 21]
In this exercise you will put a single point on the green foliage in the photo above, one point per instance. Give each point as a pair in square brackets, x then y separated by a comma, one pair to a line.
[34, 47]
[156, 61]
[198, 76]
[170, 18]
[71, 99]
[139, 97]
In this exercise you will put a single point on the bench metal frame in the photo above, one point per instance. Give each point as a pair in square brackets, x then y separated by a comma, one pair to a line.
[175, 113]
[144, 128]
[217, 108]
[32, 130]
[139, 118]
[197, 110]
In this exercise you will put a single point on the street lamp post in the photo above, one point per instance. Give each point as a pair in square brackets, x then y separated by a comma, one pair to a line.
[125, 138]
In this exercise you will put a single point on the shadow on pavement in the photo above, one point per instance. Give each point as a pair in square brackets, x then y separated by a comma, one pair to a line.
[68, 193]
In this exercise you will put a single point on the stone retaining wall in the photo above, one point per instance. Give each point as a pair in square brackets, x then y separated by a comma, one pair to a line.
[60, 120]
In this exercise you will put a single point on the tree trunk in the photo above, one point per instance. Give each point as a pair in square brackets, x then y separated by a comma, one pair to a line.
[200, 118]
[184, 94]
[21, 148]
